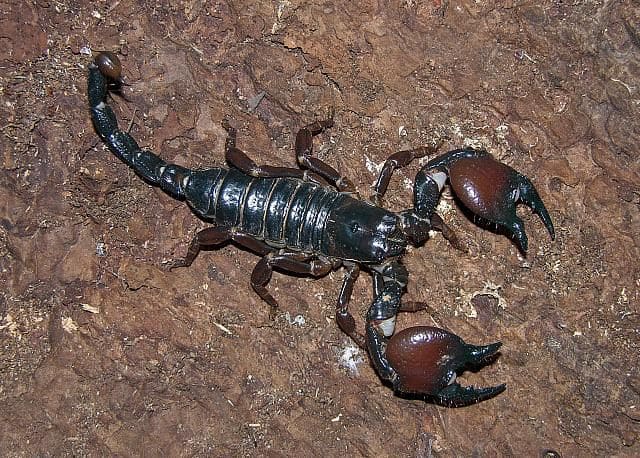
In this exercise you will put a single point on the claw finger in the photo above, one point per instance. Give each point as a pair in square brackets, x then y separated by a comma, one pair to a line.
[455, 395]
[529, 196]
[478, 354]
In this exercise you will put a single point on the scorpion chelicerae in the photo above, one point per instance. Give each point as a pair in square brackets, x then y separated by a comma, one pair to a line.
[308, 221]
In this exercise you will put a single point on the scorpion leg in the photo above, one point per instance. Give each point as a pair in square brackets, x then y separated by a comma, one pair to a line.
[304, 150]
[290, 261]
[239, 159]
[419, 227]
[449, 234]
[343, 317]
[405, 306]
[213, 236]
[488, 188]
[396, 161]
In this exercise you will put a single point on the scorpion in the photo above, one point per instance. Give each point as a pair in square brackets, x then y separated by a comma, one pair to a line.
[309, 221]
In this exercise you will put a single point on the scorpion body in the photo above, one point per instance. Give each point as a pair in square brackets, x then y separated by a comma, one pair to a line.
[300, 223]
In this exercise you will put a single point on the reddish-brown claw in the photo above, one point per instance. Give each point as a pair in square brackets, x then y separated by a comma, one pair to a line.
[425, 360]
[488, 188]
[491, 189]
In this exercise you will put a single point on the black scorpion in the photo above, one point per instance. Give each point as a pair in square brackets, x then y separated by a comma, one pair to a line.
[299, 223]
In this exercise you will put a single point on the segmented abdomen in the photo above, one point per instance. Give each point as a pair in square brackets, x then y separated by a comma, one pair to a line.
[283, 212]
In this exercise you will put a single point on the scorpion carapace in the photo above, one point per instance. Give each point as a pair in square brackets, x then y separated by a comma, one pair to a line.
[308, 221]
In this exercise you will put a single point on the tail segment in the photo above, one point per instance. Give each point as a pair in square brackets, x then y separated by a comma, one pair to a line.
[170, 178]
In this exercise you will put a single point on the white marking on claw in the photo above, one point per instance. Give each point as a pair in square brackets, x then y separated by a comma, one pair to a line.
[452, 379]
[101, 106]
[185, 182]
[162, 169]
[439, 177]
[387, 326]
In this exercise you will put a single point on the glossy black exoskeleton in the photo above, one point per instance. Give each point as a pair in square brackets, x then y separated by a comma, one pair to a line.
[308, 221]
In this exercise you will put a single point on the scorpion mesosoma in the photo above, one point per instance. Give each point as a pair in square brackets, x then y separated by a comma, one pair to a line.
[300, 223]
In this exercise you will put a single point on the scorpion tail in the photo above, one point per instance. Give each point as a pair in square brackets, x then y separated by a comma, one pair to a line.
[105, 74]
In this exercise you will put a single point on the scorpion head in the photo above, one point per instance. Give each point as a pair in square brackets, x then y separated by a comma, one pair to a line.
[358, 231]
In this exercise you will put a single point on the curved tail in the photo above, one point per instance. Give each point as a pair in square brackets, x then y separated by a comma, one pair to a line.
[105, 75]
